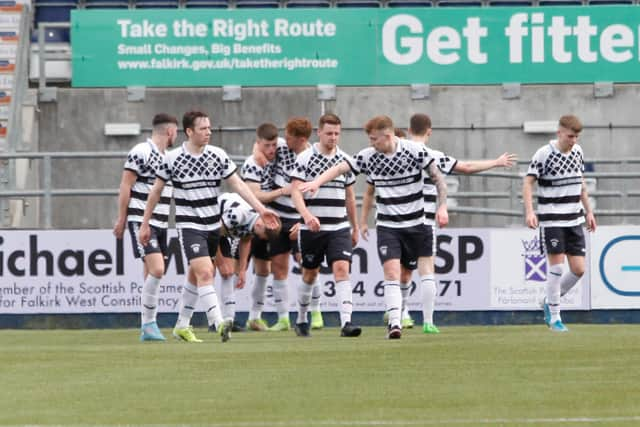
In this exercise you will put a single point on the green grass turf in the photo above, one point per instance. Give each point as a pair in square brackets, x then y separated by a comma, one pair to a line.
[496, 375]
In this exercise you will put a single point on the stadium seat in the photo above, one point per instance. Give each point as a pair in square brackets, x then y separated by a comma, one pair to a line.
[156, 4]
[209, 4]
[409, 3]
[510, 3]
[608, 2]
[560, 3]
[53, 11]
[257, 4]
[308, 3]
[459, 3]
[358, 3]
[106, 4]
[52, 35]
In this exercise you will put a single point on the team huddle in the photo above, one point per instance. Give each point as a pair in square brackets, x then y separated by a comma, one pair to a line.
[294, 197]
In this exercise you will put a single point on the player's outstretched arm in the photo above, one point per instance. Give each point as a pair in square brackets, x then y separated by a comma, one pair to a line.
[328, 175]
[265, 196]
[506, 160]
[530, 216]
[269, 217]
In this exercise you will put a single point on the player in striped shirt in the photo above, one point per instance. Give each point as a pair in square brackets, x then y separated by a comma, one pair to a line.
[297, 133]
[563, 206]
[137, 178]
[420, 131]
[240, 225]
[196, 170]
[330, 229]
[259, 177]
[394, 166]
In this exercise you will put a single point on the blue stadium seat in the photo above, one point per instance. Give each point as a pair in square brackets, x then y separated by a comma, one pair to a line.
[560, 3]
[510, 3]
[52, 35]
[308, 3]
[156, 4]
[608, 2]
[358, 3]
[409, 3]
[53, 11]
[209, 4]
[257, 4]
[459, 3]
[106, 4]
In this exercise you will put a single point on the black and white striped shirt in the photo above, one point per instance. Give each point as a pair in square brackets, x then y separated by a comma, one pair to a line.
[143, 160]
[559, 179]
[328, 204]
[253, 172]
[196, 180]
[285, 162]
[430, 192]
[397, 178]
[238, 216]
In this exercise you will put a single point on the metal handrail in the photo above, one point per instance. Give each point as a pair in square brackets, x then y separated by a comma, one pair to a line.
[513, 193]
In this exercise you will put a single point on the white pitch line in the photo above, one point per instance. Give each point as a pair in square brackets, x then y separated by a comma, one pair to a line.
[366, 423]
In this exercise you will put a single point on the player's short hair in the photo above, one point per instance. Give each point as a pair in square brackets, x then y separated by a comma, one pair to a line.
[190, 117]
[400, 133]
[419, 124]
[163, 119]
[267, 131]
[379, 123]
[572, 122]
[273, 234]
[328, 119]
[299, 127]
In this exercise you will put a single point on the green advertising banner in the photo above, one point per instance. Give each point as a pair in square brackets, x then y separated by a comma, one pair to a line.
[355, 47]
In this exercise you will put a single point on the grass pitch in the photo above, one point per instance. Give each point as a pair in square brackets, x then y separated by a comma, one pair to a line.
[496, 375]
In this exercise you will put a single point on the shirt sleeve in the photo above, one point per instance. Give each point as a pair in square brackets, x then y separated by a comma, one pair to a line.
[251, 171]
[536, 167]
[446, 163]
[424, 156]
[299, 169]
[135, 161]
[228, 166]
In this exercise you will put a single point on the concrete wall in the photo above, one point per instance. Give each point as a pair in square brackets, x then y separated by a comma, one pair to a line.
[469, 123]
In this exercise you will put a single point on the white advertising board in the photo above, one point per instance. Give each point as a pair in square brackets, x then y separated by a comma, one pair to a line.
[519, 273]
[89, 271]
[615, 269]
